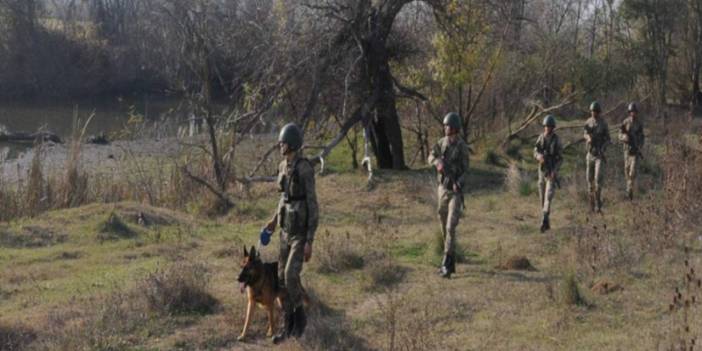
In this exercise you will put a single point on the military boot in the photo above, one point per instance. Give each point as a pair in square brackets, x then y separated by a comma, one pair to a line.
[288, 327]
[445, 270]
[630, 194]
[599, 203]
[300, 322]
[592, 201]
[545, 224]
[452, 266]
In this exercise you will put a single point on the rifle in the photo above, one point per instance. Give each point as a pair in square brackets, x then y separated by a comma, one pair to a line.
[595, 140]
[635, 149]
[458, 185]
[450, 178]
[550, 162]
[550, 165]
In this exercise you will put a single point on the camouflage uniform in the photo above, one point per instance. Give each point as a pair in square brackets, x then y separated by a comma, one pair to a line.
[599, 132]
[455, 159]
[551, 149]
[297, 215]
[631, 134]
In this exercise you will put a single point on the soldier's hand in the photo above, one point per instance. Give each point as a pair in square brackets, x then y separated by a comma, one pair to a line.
[271, 226]
[540, 158]
[440, 167]
[456, 188]
[308, 251]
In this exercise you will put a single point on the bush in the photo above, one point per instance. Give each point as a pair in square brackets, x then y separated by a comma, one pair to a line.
[514, 151]
[179, 289]
[15, 337]
[570, 292]
[383, 273]
[492, 158]
[111, 322]
[114, 228]
[338, 254]
[526, 189]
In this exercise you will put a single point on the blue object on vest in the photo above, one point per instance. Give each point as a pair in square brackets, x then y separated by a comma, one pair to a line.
[265, 236]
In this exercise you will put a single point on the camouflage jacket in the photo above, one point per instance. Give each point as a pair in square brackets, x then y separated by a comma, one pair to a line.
[631, 134]
[599, 133]
[455, 159]
[298, 211]
[551, 148]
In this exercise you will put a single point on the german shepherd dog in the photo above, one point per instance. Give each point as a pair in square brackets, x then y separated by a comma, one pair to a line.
[260, 281]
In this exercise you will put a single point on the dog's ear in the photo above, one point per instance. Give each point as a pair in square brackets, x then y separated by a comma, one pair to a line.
[246, 254]
[252, 252]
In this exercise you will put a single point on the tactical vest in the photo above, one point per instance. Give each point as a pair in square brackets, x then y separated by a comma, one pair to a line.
[294, 214]
[599, 138]
[547, 147]
[452, 158]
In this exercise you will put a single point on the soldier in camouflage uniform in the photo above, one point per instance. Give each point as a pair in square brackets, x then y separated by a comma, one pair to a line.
[548, 152]
[631, 134]
[597, 138]
[450, 157]
[297, 214]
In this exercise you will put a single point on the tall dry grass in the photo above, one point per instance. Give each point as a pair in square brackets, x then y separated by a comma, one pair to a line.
[157, 181]
[125, 318]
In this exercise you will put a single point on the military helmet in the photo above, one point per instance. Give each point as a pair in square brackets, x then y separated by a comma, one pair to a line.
[549, 121]
[595, 106]
[632, 107]
[291, 134]
[453, 120]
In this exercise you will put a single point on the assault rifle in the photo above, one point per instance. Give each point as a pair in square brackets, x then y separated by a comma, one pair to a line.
[633, 148]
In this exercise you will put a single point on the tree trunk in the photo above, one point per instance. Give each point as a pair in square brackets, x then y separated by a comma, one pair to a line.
[696, 95]
[392, 132]
[387, 133]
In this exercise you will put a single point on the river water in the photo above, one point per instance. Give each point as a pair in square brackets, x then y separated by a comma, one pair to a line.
[110, 114]
[57, 116]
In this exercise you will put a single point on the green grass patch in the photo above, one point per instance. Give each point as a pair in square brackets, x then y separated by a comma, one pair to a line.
[411, 252]
[526, 189]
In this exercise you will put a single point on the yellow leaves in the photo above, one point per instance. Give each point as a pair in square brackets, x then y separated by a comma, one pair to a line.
[460, 54]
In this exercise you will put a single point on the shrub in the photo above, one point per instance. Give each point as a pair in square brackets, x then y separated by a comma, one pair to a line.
[15, 337]
[570, 292]
[114, 228]
[179, 289]
[492, 158]
[338, 254]
[383, 273]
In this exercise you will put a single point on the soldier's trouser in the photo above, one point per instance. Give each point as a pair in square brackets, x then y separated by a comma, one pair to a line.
[546, 191]
[292, 253]
[630, 164]
[450, 208]
[595, 175]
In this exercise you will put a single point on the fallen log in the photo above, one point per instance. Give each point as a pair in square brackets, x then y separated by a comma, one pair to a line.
[25, 137]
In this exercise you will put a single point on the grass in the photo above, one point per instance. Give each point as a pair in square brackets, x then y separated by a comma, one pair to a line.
[570, 292]
[372, 274]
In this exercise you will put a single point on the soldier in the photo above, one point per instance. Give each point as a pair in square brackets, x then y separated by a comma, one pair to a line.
[297, 214]
[597, 138]
[548, 152]
[631, 135]
[450, 157]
